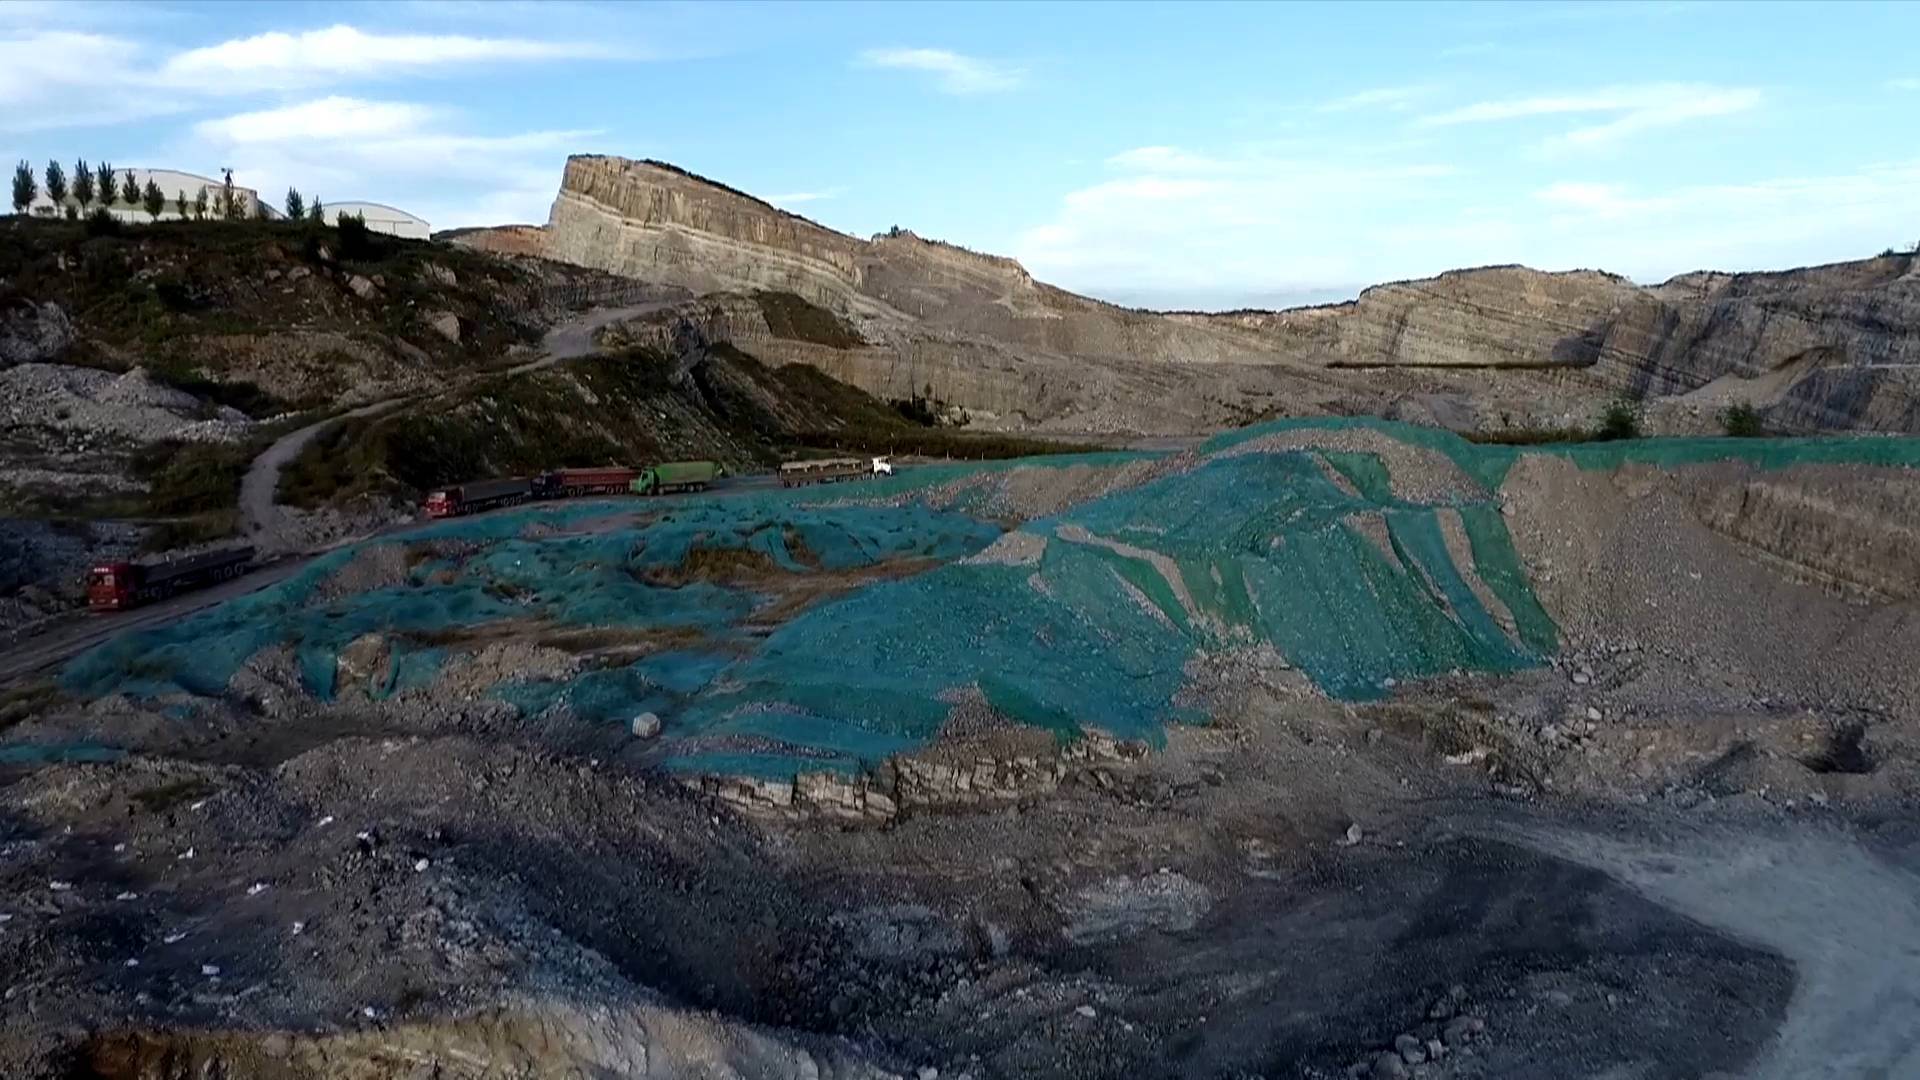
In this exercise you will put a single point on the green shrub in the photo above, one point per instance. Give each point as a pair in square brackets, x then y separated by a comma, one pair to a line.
[102, 223]
[1742, 421]
[356, 240]
[191, 478]
[1621, 420]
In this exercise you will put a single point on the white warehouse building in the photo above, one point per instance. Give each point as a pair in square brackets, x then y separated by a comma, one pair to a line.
[381, 218]
[176, 185]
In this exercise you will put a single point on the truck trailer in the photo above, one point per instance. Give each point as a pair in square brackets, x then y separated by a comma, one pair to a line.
[829, 470]
[117, 586]
[477, 495]
[676, 476]
[566, 483]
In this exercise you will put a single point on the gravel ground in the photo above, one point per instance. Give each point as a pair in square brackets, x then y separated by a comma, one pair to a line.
[1681, 849]
[84, 405]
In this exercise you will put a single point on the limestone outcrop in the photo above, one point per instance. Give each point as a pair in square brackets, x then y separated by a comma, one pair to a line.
[1816, 349]
[648, 219]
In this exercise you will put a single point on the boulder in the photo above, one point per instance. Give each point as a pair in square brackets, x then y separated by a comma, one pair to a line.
[446, 324]
[362, 288]
[33, 333]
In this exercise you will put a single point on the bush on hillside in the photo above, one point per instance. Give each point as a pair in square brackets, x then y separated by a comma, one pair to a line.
[356, 240]
[1621, 420]
[102, 223]
[1742, 421]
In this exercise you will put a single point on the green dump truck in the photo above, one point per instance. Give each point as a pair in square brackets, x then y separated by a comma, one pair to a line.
[676, 476]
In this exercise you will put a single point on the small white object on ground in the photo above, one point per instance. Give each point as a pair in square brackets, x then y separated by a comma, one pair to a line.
[1352, 837]
[128, 896]
[256, 888]
[1086, 1011]
[298, 927]
[420, 865]
[210, 970]
[325, 821]
[59, 886]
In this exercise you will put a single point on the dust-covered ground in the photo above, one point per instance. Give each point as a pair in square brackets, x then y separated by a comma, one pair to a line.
[1680, 845]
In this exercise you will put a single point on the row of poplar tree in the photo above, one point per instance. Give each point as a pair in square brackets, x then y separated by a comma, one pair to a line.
[100, 187]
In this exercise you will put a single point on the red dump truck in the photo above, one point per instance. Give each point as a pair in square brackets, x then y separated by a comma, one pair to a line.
[118, 586]
[566, 483]
[477, 495]
[828, 470]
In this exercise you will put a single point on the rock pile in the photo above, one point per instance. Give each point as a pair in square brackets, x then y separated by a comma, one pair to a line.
[85, 407]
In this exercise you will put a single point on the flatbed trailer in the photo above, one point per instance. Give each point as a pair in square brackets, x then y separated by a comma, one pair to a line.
[831, 470]
[571, 483]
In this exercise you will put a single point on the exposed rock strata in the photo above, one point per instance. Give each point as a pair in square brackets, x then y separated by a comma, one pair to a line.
[1823, 348]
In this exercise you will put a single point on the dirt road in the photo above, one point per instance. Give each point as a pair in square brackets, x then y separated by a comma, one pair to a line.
[259, 509]
[1843, 909]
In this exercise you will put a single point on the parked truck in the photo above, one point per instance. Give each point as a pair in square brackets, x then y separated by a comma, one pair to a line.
[477, 495]
[117, 586]
[568, 483]
[677, 476]
[829, 470]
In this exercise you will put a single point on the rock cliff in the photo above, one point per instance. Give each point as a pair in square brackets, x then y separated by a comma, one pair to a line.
[648, 219]
[1823, 348]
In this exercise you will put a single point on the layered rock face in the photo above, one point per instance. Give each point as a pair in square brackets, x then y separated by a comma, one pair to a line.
[1824, 348]
[646, 219]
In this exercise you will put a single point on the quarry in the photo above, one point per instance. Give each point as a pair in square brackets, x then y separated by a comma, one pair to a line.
[1299, 694]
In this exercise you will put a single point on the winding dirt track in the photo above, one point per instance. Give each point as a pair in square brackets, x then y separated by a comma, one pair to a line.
[1843, 909]
[261, 512]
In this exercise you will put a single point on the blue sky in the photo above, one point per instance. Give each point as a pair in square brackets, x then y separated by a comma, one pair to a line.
[1177, 156]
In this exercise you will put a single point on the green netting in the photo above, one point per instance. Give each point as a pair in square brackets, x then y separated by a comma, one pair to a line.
[1366, 472]
[1499, 566]
[601, 579]
[1353, 586]
[1489, 463]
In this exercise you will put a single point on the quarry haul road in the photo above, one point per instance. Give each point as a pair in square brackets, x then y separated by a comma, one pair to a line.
[259, 509]
[1844, 911]
[83, 630]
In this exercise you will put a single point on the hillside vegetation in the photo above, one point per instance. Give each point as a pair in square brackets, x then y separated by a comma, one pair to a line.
[269, 317]
[625, 407]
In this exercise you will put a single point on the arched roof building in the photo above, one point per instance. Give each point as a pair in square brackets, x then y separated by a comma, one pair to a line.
[382, 218]
[178, 186]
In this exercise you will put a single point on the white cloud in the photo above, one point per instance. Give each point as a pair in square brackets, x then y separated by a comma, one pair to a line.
[52, 78]
[1390, 98]
[61, 78]
[281, 61]
[1652, 234]
[953, 72]
[1166, 159]
[327, 118]
[1235, 223]
[341, 148]
[1634, 109]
